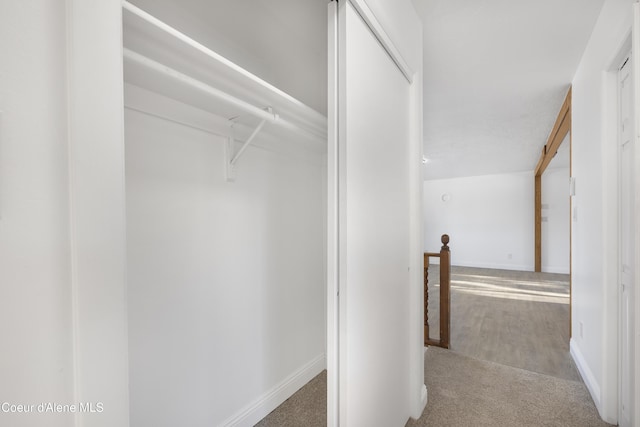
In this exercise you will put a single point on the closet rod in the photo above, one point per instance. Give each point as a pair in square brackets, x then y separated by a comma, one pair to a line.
[210, 53]
[243, 105]
[190, 81]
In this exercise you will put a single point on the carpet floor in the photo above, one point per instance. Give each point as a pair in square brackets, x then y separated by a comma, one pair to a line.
[464, 391]
[515, 318]
[509, 362]
[306, 408]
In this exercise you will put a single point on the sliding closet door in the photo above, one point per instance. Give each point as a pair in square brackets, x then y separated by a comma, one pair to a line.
[369, 220]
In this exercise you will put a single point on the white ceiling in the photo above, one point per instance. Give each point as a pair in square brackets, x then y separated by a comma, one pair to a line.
[495, 75]
[495, 71]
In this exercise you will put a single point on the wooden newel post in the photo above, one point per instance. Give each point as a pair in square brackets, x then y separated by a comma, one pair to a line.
[445, 295]
[426, 298]
[445, 299]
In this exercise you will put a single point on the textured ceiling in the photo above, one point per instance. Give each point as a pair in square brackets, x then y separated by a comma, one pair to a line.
[495, 75]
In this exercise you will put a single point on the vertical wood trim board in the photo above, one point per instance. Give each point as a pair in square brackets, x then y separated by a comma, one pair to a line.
[559, 131]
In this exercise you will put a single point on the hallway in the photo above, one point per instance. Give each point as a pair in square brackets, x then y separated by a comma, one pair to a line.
[464, 391]
[509, 362]
[510, 335]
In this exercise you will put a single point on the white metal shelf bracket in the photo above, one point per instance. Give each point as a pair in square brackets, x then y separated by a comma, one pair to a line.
[230, 159]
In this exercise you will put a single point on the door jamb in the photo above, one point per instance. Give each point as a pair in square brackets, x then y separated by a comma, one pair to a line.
[609, 398]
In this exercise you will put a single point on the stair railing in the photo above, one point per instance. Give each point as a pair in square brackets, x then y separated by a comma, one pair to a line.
[445, 295]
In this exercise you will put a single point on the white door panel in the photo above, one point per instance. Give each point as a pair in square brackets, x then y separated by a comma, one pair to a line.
[370, 206]
[626, 238]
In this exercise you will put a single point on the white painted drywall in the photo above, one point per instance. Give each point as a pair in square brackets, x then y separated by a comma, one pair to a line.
[36, 363]
[97, 214]
[62, 212]
[594, 312]
[226, 280]
[489, 219]
[555, 213]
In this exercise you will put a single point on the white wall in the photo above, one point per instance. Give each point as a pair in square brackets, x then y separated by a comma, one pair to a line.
[594, 303]
[62, 212]
[97, 209]
[555, 213]
[226, 280]
[489, 219]
[35, 292]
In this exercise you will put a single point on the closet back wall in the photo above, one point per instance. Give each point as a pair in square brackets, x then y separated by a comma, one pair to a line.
[226, 280]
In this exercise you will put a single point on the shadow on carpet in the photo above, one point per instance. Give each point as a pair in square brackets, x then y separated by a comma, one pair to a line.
[463, 391]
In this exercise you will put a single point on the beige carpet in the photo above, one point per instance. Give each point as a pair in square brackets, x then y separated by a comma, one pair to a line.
[464, 391]
[503, 322]
[306, 408]
[515, 318]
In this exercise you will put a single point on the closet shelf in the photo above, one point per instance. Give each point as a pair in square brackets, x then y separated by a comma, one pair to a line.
[160, 58]
[152, 65]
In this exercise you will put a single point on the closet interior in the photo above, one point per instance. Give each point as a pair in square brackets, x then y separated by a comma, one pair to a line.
[226, 233]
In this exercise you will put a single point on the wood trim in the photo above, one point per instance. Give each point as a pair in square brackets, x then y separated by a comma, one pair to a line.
[538, 223]
[561, 127]
[445, 294]
[431, 342]
[427, 341]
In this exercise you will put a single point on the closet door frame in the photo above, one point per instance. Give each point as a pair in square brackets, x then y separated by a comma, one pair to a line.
[97, 212]
[336, 220]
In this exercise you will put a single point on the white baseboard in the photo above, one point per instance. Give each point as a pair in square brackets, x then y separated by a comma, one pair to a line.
[499, 266]
[261, 407]
[495, 266]
[424, 397]
[555, 269]
[587, 376]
